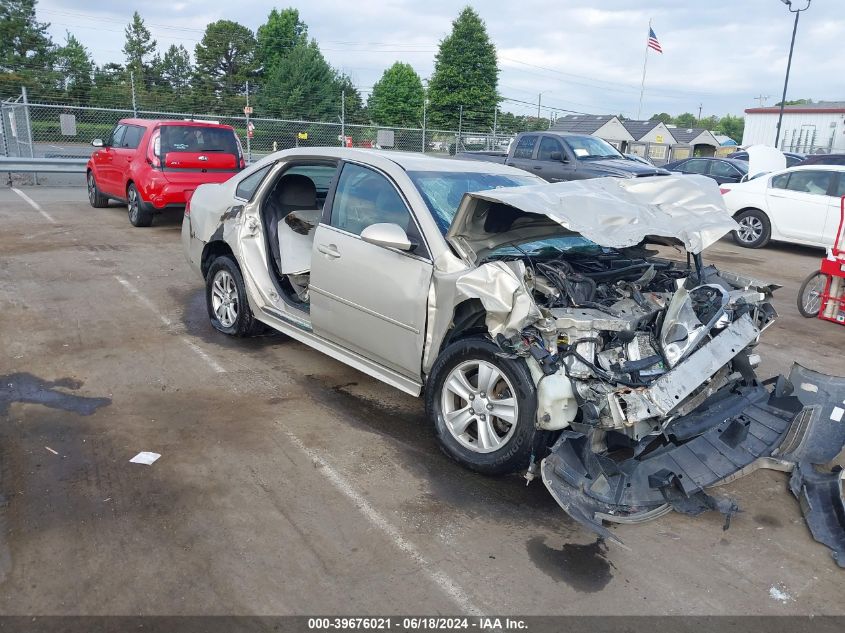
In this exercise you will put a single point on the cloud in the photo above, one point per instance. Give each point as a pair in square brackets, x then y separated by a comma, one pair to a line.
[719, 54]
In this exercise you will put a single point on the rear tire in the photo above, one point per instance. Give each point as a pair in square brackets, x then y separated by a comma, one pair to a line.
[226, 300]
[755, 230]
[140, 213]
[809, 295]
[95, 198]
[483, 406]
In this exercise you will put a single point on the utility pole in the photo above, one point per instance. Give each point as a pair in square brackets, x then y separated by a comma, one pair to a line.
[495, 124]
[460, 125]
[761, 99]
[539, 101]
[425, 103]
[132, 83]
[343, 118]
[700, 106]
[797, 13]
[248, 133]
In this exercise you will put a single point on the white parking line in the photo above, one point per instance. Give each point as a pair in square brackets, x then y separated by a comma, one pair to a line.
[34, 204]
[168, 323]
[449, 586]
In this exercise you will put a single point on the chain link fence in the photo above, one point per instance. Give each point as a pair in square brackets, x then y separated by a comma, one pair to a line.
[65, 131]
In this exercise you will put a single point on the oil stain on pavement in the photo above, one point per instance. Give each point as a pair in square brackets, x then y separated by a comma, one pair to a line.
[585, 568]
[24, 387]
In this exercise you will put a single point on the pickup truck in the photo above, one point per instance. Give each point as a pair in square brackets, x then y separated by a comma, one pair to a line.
[557, 156]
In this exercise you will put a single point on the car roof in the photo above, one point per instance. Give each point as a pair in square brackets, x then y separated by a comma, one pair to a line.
[408, 161]
[821, 167]
[190, 123]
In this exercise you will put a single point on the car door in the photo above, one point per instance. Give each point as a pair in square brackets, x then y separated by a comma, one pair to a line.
[722, 172]
[549, 164]
[106, 172]
[523, 153]
[367, 298]
[798, 203]
[834, 211]
[123, 153]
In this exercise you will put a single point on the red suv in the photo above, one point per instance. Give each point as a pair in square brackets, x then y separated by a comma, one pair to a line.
[154, 165]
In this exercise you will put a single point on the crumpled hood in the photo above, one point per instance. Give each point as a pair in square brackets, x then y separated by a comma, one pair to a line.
[611, 212]
[763, 159]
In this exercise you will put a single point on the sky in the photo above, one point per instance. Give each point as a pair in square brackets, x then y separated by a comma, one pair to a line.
[582, 55]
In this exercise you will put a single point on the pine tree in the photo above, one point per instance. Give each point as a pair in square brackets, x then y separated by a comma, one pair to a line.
[278, 36]
[397, 98]
[138, 48]
[76, 69]
[466, 74]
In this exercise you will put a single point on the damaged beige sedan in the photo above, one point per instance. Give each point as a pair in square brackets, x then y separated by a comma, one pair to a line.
[545, 333]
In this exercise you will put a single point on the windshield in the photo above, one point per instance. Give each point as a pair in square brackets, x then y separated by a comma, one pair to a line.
[549, 247]
[442, 190]
[590, 147]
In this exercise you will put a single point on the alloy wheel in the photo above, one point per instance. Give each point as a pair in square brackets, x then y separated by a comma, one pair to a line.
[750, 229]
[92, 189]
[224, 298]
[479, 406]
[133, 204]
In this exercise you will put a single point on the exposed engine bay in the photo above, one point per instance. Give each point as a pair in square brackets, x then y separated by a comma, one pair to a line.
[617, 323]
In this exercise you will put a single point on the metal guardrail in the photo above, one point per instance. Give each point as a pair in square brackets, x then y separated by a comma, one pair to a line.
[18, 164]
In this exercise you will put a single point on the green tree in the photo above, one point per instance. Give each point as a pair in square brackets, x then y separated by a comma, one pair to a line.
[397, 98]
[282, 31]
[465, 74]
[112, 87]
[26, 50]
[732, 126]
[663, 117]
[225, 57]
[175, 68]
[687, 119]
[138, 48]
[77, 70]
[302, 85]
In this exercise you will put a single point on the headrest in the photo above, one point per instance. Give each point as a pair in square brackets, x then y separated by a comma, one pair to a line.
[297, 191]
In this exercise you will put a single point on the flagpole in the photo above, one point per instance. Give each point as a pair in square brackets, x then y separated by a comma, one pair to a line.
[645, 63]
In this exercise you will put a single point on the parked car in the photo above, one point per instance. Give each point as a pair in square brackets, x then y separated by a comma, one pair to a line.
[792, 158]
[824, 159]
[798, 204]
[153, 165]
[721, 170]
[559, 156]
[542, 335]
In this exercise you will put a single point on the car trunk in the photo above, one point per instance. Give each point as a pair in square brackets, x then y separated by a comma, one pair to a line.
[187, 149]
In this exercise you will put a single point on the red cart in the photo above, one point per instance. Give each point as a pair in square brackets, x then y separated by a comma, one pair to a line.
[822, 294]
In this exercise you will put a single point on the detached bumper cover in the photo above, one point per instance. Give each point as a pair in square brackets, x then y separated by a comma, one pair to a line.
[794, 427]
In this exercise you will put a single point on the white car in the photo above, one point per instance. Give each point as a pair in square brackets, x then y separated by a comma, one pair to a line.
[798, 205]
[543, 334]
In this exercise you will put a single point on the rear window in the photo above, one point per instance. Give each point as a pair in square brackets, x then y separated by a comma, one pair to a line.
[195, 138]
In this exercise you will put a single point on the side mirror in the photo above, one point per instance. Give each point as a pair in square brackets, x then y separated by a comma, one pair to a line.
[388, 235]
[98, 142]
[556, 156]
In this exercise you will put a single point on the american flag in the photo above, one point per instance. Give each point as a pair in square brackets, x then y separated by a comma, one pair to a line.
[652, 41]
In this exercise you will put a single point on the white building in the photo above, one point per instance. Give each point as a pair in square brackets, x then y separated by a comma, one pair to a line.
[810, 128]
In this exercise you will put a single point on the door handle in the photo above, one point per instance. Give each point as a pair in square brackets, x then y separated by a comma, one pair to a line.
[538, 167]
[329, 250]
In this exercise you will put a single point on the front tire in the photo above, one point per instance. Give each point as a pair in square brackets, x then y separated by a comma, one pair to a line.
[755, 230]
[140, 214]
[226, 300]
[809, 295]
[483, 407]
[95, 198]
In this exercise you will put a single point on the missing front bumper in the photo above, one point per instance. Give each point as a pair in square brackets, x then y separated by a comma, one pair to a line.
[734, 432]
